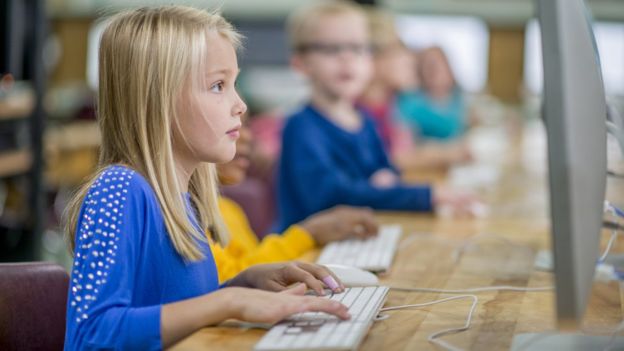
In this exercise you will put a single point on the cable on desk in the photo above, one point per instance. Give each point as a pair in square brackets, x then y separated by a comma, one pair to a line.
[434, 337]
[616, 213]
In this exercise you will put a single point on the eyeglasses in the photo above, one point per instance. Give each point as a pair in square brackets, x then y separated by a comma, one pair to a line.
[334, 49]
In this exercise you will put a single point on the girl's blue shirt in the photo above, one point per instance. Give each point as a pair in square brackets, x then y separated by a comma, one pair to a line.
[125, 267]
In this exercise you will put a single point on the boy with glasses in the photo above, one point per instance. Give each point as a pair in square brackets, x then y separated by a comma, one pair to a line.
[331, 153]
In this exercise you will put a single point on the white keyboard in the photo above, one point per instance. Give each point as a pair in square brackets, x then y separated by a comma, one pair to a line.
[321, 331]
[374, 254]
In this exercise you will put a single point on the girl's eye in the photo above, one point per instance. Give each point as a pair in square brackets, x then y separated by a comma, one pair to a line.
[217, 87]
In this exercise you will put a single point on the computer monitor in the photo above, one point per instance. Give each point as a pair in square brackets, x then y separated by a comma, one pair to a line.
[575, 113]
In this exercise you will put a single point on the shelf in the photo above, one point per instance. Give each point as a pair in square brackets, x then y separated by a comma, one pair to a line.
[73, 136]
[15, 162]
[71, 151]
[19, 106]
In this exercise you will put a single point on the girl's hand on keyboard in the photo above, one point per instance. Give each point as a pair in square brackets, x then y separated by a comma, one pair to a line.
[258, 306]
[341, 222]
[280, 276]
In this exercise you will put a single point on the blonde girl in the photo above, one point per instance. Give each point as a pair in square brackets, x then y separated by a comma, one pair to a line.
[143, 275]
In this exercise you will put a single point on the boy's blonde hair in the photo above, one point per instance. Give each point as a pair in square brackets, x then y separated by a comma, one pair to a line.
[146, 58]
[301, 22]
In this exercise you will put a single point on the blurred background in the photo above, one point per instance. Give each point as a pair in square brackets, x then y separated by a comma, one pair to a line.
[48, 64]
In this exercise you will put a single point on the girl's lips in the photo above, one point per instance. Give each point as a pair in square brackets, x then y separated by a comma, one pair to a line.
[234, 132]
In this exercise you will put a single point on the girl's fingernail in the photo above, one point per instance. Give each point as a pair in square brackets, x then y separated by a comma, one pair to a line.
[330, 282]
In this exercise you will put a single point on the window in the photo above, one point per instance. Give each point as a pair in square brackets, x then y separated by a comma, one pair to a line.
[465, 41]
[610, 42]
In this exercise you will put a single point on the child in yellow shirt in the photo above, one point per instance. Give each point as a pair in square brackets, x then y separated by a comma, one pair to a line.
[244, 248]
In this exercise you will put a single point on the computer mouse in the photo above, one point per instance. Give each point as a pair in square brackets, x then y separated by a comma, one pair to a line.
[352, 276]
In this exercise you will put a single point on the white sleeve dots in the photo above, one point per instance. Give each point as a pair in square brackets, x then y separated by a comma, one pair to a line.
[97, 238]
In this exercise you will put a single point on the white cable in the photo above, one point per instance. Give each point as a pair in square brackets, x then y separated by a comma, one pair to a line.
[474, 290]
[456, 255]
[614, 232]
[381, 317]
[433, 338]
[614, 235]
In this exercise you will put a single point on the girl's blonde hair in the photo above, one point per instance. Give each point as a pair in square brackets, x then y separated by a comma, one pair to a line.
[146, 58]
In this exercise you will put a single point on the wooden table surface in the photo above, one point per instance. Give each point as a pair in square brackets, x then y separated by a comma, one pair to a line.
[501, 252]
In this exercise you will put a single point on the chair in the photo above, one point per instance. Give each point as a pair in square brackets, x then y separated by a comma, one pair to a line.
[33, 297]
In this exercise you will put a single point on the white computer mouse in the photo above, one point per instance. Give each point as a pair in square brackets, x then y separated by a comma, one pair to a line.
[353, 277]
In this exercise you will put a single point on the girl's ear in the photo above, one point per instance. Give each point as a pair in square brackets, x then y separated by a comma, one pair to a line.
[297, 62]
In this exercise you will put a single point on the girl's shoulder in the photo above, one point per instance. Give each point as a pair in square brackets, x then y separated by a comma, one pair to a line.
[121, 175]
[117, 183]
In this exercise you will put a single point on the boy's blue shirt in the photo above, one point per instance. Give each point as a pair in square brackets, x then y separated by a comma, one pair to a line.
[125, 267]
[323, 165]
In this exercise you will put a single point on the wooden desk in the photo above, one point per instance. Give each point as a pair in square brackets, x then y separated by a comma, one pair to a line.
[518, 214]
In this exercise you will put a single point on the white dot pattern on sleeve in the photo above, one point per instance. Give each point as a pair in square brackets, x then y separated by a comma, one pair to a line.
[97, 238]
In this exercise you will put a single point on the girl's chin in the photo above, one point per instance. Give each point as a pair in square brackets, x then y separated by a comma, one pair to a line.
[221, 158]
[229, 153]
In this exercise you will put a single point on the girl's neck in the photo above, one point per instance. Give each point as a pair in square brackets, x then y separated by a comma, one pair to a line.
[184, 168]
[340, 111]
